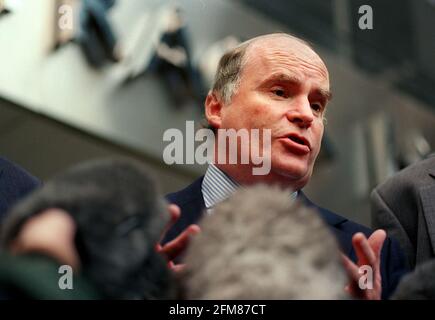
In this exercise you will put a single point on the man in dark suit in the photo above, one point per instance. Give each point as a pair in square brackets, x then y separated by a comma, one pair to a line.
[15, 183]
[404, 205]
[277, 84]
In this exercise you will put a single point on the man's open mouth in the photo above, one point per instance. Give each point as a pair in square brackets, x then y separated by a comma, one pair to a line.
[299, 140]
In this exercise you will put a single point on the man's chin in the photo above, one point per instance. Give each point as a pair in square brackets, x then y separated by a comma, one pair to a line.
[297, 178]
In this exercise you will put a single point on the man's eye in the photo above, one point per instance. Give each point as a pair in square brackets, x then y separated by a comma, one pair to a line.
[279, 92]
[316, 107]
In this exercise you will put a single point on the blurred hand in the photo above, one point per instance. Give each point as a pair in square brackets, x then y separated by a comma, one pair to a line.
[52, 233]
[368, 252]
[175, 247]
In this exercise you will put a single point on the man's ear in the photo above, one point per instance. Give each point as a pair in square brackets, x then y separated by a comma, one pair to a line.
[213, 110]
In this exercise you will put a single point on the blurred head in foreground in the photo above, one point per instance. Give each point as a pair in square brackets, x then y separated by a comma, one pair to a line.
[261, 245]
[118, 216]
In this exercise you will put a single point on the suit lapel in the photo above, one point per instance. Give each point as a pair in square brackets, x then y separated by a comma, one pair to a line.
[193, 210]
[427, 196]
[192, 206]
[329, 217]
[333, 221]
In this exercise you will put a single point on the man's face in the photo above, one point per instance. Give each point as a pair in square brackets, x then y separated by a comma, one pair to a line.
[284, 87]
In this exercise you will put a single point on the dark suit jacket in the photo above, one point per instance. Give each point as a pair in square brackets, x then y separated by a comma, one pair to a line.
[404, 205]
[191, 202]
[15, 183]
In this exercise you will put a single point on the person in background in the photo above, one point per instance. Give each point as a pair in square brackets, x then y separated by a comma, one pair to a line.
[404, 206]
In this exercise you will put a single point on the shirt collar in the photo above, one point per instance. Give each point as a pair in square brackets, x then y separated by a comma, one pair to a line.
[218, 186]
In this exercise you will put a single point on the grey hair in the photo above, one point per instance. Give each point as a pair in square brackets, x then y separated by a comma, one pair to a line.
[259, 244]
[227, 77]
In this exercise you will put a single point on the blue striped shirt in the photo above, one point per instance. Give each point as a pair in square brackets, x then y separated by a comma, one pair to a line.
[218, 186]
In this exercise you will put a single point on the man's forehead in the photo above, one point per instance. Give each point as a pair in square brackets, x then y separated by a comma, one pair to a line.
[286, 52]
[265, 48]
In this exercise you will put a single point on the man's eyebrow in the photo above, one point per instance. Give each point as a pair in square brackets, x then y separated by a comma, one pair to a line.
[324, 93]
[284, 78]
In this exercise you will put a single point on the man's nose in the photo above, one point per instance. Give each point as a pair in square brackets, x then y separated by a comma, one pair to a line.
[301, 114]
